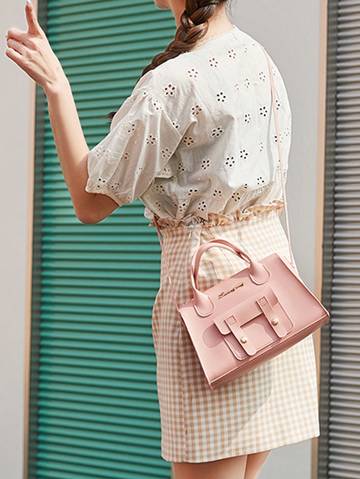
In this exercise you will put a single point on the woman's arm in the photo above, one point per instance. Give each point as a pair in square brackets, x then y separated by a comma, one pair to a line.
[72, 151]
[31, 51]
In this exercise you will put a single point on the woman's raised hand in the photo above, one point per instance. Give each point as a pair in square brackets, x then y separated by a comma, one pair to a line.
[31, 51]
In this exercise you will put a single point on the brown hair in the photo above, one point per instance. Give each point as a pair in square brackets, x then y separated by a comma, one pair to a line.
[193, 26]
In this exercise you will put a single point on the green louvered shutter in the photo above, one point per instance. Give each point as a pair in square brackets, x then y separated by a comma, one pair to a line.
[94, 408]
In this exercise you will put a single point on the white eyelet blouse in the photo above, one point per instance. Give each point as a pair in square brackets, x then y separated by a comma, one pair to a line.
[196, 137]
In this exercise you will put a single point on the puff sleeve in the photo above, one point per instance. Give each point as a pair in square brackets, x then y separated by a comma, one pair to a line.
[144, 134]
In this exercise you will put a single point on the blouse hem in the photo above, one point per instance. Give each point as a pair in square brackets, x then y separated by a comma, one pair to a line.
[217, 219]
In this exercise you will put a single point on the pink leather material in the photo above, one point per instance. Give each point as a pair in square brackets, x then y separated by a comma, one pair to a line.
[250, 317]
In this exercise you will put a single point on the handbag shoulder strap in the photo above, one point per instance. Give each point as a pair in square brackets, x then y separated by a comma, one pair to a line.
[277, 129]
[292, 261]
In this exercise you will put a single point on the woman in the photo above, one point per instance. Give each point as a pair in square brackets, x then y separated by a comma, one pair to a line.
[196, 142]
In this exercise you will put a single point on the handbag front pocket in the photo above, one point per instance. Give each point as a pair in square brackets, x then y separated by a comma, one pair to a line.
[254, 323]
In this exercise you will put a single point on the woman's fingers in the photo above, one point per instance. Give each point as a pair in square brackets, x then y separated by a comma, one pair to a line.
[34, 27]
[23, 63]
[15, 45]
[30, 41]
[15, 56]
[19, 35]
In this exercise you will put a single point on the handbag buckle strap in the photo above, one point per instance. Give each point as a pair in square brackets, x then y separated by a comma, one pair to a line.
[240, 335]
[273, 314]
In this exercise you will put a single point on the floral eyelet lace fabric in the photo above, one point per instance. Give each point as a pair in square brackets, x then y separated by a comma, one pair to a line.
[196, 138]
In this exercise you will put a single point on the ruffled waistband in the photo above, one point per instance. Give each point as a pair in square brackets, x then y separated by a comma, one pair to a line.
[216, 219]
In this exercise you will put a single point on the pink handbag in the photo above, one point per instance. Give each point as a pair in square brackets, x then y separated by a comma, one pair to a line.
[251, 316]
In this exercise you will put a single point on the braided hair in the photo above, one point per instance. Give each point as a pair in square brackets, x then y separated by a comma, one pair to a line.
[193, 26]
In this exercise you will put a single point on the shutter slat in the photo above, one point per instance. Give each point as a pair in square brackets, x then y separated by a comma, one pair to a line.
[339, 453]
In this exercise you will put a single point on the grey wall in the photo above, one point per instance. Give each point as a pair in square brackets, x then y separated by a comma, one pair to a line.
[15, 168]
[290, 30]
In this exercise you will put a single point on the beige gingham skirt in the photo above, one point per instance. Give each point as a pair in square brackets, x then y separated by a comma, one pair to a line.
[273, 405]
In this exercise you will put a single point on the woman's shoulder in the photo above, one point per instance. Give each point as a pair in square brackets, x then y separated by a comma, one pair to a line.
[168, 78]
